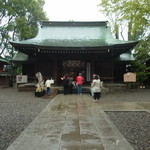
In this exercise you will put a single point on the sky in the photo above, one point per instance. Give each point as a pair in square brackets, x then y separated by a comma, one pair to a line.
[75, 10]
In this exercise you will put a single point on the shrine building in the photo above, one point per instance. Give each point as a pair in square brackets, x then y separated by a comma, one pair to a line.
[73, 47]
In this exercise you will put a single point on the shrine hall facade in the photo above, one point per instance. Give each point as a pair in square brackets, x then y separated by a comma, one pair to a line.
[73, 47]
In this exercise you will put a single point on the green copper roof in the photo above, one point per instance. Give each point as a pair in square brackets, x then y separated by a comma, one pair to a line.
[20, 57]
[126, 57]
[3, 60]
[73, 34]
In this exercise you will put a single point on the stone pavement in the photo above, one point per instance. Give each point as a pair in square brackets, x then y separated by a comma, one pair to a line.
[74, 122]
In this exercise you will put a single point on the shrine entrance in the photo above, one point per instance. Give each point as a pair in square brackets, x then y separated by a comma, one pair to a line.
[73, 67]
[71, 48]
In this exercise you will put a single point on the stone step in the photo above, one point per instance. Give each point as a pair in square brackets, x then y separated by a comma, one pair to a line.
[86, 89]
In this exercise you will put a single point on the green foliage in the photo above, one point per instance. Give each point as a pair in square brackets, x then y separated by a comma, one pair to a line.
[142, 72]
[19, 20]
[108, 8]
[142, 56]
[13, 69]
[142, 50]
[142, 77]
[137, 14]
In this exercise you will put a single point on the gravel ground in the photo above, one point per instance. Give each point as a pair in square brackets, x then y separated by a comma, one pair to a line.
[138, 95]
[135, 126]
[18, 110]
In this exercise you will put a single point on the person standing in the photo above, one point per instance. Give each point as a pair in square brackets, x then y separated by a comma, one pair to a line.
[70, 79]
[65, 84]
[79, 82]
[48, 86]
[91, 89]
[96, 86]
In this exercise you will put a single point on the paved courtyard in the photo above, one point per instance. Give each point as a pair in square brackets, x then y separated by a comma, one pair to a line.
[74, 122]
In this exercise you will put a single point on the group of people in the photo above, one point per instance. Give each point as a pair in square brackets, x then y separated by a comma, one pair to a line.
[69, 83]
[40, 86]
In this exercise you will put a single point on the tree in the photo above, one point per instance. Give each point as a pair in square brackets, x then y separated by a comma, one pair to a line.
[107, 7]
[18, 21]
[142, 56]
[136, 14]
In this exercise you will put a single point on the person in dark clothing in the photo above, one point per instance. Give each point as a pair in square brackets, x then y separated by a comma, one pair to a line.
[70, 79]
[66, 84]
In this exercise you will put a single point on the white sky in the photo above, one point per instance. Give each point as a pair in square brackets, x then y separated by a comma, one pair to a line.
[76, 10]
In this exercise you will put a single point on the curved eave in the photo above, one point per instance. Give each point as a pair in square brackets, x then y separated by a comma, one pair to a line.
[31, 49]
[74, 47]
[116, 49]
[134, 43]
[20, 57]
[3, 61]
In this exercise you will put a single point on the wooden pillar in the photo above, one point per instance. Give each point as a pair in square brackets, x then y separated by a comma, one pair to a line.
[88, 71]
[55, 70]
[92, 67]
[112, 66]
[35, 63]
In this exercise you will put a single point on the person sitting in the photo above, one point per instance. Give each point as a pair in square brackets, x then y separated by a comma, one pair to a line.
[39, 91]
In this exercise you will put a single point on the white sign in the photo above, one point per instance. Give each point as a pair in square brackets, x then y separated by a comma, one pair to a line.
[21, 79]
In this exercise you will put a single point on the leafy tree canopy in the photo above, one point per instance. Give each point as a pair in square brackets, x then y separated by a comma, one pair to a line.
[18, 21]
[135, 12]
[137, 15]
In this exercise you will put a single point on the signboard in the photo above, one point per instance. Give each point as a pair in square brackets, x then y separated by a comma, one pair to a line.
[73, 64]
[130, 77]
[21, 79]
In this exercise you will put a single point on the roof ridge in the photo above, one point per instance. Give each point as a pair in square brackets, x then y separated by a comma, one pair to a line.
[73, 23]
